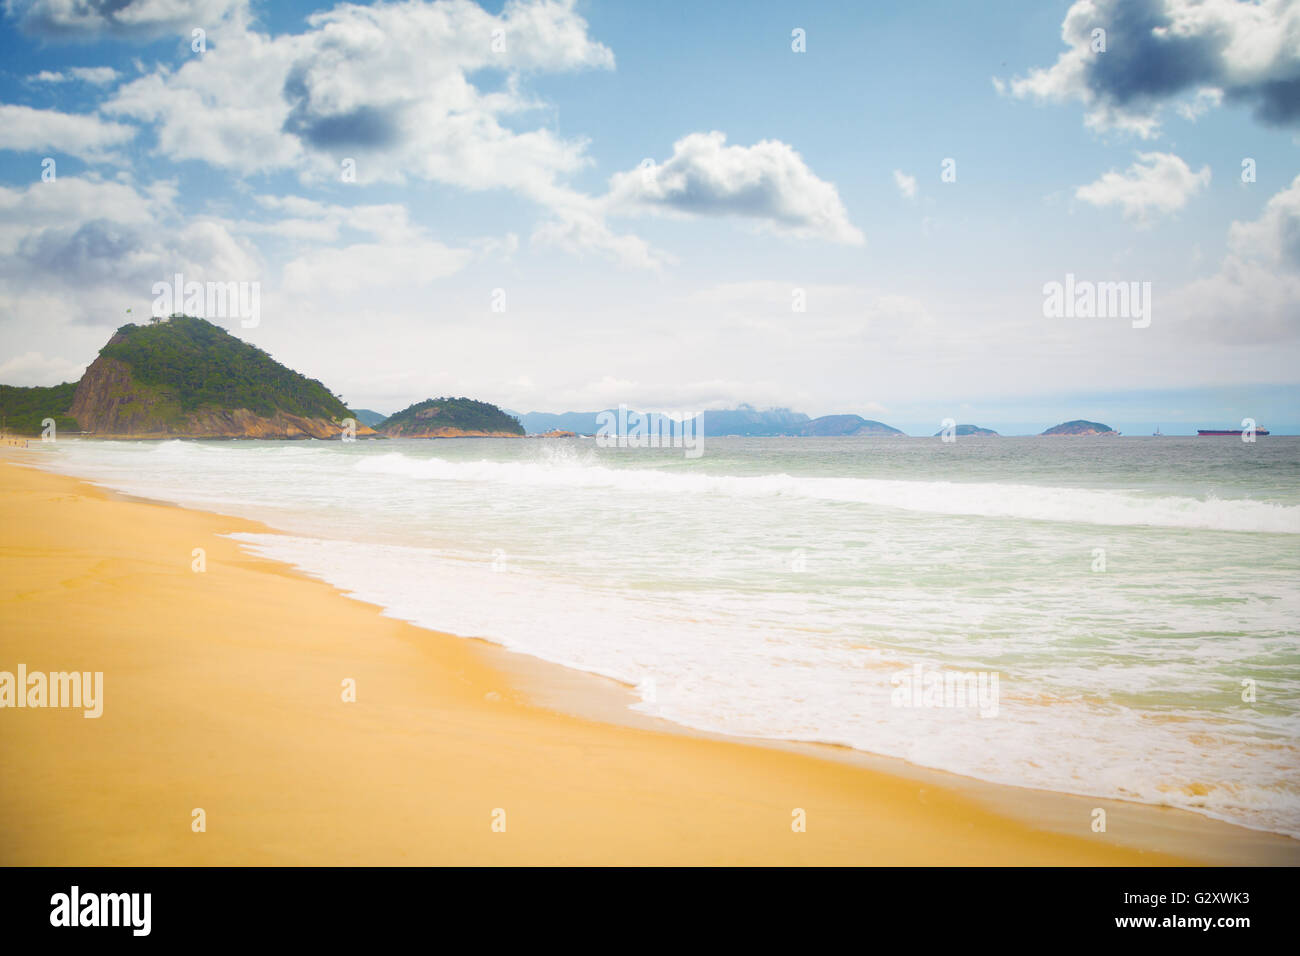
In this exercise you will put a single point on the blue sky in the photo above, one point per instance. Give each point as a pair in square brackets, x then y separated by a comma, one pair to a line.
[773, 174]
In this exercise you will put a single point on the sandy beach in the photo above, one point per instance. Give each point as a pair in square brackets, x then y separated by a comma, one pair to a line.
[223, 691]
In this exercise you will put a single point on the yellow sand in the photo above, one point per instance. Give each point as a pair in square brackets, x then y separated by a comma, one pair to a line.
[223, 692]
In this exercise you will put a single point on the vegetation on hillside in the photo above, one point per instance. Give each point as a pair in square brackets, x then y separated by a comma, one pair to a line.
[204, 365]
[1079, 426]
[23, 409]
[463, 413]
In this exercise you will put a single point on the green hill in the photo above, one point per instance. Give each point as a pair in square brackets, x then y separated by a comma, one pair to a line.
[188, 378]
[1080, 427]
[450, 418]
[203, 364]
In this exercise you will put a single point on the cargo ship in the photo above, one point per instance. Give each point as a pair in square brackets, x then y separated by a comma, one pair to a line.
[1226, 432]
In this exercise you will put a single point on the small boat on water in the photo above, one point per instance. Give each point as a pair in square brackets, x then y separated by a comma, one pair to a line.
[1226, 432]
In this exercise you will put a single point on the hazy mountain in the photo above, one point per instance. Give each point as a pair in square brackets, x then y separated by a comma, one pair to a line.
[964, 430]
[536, 423]
[840, 425]
[744, 420]
[368, 417]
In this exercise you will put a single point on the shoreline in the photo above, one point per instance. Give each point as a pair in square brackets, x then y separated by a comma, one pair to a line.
[1143, 826]
[590, 780]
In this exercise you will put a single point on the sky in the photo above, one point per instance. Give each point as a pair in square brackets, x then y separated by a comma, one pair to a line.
[562, 205]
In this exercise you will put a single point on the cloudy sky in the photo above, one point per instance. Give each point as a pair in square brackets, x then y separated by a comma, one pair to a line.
[560, 205]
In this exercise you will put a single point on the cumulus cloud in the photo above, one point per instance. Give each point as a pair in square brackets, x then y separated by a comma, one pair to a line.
[1172, 52]
[1157, 184]
[84, 20]
[430, 91]
[435, 91]
[100, 246]
[906, 184]
[387, 85]
[1255, 295]
[24, 129]
[70, 199]
[767, 182]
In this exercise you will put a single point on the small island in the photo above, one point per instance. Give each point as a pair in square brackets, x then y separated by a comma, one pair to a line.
[451, 418]
[1079, 427]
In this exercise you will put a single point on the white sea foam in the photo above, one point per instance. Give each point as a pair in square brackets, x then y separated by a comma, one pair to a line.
[992, 500]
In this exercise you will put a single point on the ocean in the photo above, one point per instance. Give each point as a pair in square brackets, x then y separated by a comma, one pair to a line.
[1106, 616]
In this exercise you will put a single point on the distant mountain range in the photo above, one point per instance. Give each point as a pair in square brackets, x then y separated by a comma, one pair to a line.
[745, 421]
[842, 425]
[187, 378]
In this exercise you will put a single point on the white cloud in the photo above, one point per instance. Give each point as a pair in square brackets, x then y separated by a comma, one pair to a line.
[767, 182]
[86, 136]
[387, 85]
[1185, 53]
[1157, 184]
[83, 20]
[1274, 238]
[906, 184]
[98, 247]
[1255, 295]
[401, 90]
[71, 200]
[434, 91]
[224, 109]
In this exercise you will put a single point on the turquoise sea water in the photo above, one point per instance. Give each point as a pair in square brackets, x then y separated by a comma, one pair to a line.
[1125, 592]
